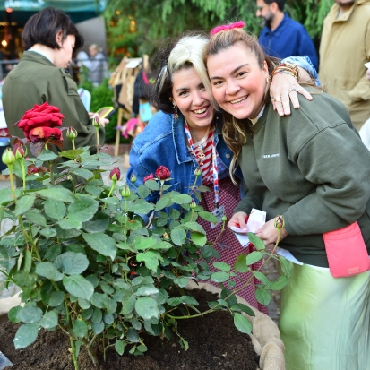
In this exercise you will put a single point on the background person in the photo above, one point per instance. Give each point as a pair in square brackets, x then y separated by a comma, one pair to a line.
[305, 169]
[342, 56]
[49, 38]
[98, 65]
[185, 135]
[281, 36]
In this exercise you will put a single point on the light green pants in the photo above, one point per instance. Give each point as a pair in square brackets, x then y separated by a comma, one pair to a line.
[325, 322]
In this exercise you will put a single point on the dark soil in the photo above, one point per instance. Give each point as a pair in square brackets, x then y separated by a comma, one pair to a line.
[214, 343]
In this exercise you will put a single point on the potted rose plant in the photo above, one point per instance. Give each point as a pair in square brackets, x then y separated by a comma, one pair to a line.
[89, 263]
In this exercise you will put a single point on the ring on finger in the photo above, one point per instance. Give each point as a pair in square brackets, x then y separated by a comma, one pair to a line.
[278, 99]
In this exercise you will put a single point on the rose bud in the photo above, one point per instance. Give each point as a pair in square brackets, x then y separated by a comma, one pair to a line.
[163, 173]
[133, 179]
[224, 218]
[95, 120]
[8, 157]
[71, 133]
[125, 191]
[279, 222]
[193, 205]
[115, 174]
[149, 177]
[19, 153]
[197, 172]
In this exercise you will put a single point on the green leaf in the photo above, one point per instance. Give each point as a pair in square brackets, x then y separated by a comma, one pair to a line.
[208, 216]
[80, 329]
[150, 258]
[14, 314]
[49, 271]
[141, 243]
[120, 346]
[258, 243]
[181, 282]
[36, 218]
[147, 307]
[67, 224]
[280, 283]
[181, 198]
[56, 298]
[24, 279]
[198, 239]
[55, 209]
[24, 204]
[98, 327]
[83, 209]
[161, 204]
[101, 243]
[48, 232]
[58, 193]
[194, 226]
[222, 266]
[220, 277]
[82, 172]
[97, 316]
[25, 335]
[178, 236]
[152, 185]
[242, 323]
[27, 261]
[139, 206]
[161, 245]
[263, 296]
[262, 277]
[286, 266]
[31, 314]
[241, 264]
[70, 154]
[128, 304]
[78, 286]
[6, 195]
[47, 155]
[49, 320]
[146, 291]
[143, 191]
[72, 263]
[98, 224]
[253, 258]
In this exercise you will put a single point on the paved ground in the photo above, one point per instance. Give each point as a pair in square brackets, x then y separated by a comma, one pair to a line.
[270, 268]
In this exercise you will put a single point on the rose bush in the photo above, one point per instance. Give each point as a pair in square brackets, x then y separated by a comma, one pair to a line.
[87, 261]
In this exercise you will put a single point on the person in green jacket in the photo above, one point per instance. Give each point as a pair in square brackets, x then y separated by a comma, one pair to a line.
[49, 39]
[308, 170]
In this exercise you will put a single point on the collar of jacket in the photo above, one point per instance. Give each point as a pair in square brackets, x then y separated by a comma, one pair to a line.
[344, 16]
[36, 57]
[280, 27]
[179, 138]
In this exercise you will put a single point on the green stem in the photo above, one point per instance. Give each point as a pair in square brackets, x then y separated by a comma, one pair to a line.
[73, 144]
[112, 188]
[73, 350]
[97, 139]
[23, 174]
[52, 180]
[12, 182]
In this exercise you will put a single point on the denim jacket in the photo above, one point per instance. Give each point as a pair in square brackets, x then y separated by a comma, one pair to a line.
[163, 143]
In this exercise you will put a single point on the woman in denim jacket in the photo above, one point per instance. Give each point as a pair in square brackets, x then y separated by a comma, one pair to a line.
[185, 135]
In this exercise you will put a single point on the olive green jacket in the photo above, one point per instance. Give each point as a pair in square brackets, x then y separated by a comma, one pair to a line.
[312, 168]
[35, 80]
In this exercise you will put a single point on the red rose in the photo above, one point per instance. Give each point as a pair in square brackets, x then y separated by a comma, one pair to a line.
[115, 174]
[150, 177]
[43, 115]
[163, 173]
[43, 134]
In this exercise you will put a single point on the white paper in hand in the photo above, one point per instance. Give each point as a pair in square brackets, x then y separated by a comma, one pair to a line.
[367, 65]
[255, 221]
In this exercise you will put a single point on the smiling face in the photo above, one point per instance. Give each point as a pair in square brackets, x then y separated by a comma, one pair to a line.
[192, 99]
[238, 81]
[264, 12]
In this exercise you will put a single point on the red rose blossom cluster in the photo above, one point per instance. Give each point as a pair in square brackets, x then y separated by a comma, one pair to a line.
[39, 123]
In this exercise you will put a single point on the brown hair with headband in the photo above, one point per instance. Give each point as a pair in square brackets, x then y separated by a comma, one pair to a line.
[224, 37]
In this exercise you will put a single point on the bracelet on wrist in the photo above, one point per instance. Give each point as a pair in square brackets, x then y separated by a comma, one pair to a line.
[287, 68]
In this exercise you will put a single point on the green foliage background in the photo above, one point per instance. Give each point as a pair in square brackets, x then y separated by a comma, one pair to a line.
[155, 20]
